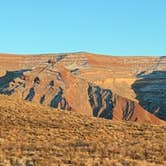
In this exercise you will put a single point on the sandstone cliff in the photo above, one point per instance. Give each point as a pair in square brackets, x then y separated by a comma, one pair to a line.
[122, 88]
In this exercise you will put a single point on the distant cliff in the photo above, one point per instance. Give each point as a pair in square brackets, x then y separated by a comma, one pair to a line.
[121, 88]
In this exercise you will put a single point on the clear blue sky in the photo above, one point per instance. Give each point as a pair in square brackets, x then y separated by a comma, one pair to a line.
[118, 27]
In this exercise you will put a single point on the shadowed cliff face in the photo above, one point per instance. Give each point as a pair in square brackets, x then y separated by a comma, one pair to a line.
[151, 92]
[101, 102]
[59, 101]
[128, 111]
[9, 77]
[108, 105]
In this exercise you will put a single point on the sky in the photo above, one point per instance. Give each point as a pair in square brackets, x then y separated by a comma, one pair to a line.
[113, 27]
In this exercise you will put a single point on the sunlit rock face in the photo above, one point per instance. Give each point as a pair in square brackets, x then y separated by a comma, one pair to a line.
[117, 88]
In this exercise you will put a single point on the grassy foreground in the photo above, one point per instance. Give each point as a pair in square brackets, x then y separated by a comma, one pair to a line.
[32, 135]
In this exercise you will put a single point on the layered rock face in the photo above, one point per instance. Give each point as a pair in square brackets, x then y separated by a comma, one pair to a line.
[151, 92]
[108, 105]
[120, 88]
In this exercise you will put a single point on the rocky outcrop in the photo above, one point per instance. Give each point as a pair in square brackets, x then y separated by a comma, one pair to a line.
[106, 104]
[101, 101]
[120, 88]
[59, 101]
[42, 84]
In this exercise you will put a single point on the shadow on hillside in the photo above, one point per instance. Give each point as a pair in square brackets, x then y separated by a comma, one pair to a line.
[31, 94]
[57, 98]
[150, 91]
[101, 102]
[9, 77]
[58, 101]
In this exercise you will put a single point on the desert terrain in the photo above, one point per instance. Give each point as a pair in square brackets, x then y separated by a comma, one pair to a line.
[32, 135]
[82, 109]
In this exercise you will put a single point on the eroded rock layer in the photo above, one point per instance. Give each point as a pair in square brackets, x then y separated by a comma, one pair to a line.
[121, 88]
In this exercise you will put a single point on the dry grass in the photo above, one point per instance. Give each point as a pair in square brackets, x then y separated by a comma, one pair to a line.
[34, 135]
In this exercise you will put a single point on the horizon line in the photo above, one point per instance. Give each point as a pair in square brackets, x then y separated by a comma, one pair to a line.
[79, 52]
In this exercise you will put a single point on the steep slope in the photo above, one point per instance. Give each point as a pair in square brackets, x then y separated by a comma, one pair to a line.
[63, 81]
[108, 105]
[32, 135]
[151, 92]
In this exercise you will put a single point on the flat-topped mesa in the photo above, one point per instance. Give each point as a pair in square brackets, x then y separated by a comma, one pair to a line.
[119, 65]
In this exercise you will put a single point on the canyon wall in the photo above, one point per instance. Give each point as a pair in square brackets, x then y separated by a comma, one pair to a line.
[120, 88]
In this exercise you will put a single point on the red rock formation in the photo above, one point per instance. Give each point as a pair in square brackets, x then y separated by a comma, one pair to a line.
[94, 85]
